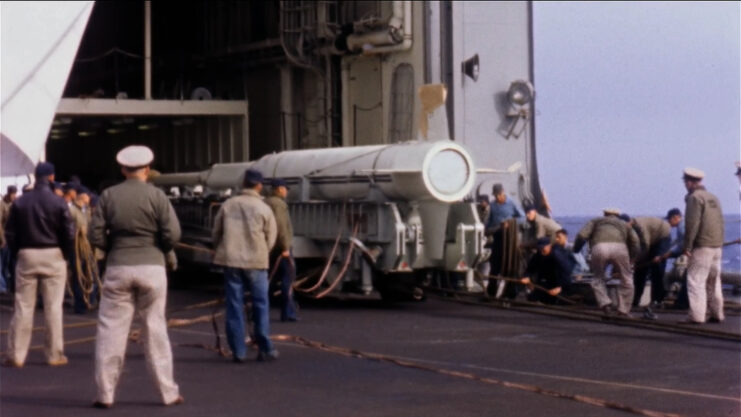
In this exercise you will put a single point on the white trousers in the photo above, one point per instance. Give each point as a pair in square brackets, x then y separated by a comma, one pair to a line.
[615, 254]
[126, 288]
[47, 269]
[703, 284]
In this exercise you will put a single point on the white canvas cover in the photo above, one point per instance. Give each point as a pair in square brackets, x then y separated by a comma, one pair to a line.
[37, 48]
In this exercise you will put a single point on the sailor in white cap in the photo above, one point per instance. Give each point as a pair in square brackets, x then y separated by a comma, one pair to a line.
[612, 241]
[136, 224]
[703, 241]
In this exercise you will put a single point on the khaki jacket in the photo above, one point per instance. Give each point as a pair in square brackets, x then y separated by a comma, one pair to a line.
[540, 227]
[4, 214]
[654, 229]
[283, 221]
[703, 221]
[135, 224]
[244, 232]
[609, 229]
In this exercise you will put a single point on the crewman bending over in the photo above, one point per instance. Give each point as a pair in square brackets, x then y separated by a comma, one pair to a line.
[612, 242]
[657, 236]
[537, 226]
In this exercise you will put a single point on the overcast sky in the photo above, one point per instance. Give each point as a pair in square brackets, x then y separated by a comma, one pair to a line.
[627, 95]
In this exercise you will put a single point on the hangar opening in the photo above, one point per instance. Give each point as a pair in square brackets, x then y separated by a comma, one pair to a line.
[178, 79]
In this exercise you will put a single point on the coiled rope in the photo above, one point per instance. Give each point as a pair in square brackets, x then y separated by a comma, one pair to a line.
[86, 267]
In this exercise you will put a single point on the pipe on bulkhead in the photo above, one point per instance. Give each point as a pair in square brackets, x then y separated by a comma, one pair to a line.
[147, 50]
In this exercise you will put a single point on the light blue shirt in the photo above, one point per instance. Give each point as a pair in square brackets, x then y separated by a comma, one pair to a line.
[677, 245]
[501, 212]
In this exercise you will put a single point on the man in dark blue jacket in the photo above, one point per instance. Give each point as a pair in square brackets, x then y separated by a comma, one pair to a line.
[41, 233]
[549, 268]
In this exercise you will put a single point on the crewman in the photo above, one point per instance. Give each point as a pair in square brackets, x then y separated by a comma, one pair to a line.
[80, 216]
[281, 253]
[58, 188]
[483, 208]
[69, 193]
[551, 269]
[656, 233]
[136, 225]
[643, 246]
[676, 249]
[244, 233]
[703, 242]
[41, 233]
[6, 275]
[502, 209]
[611, 241]
[561, 238]
[537, 226]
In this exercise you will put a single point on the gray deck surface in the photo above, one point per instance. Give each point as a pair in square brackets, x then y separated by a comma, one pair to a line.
[639, 368]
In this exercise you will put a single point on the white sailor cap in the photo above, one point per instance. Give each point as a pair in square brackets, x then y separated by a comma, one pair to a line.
[135, 156]
[693, 174]
[611, 210]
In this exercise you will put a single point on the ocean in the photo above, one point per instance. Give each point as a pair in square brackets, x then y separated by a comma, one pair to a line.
[731, 254]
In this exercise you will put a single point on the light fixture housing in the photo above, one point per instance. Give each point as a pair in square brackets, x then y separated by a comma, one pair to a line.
[471, 67]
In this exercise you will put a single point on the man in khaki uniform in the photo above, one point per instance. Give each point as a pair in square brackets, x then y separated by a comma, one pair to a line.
[656, 233]
[243, 235]
[612, 241]
[703, 242]
[281, 253]
[40, 232]
[81, 221]
[537, 226]
[6, 278]
[136, 225]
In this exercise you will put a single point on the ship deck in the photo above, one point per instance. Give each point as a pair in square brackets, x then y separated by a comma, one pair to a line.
[435, 358]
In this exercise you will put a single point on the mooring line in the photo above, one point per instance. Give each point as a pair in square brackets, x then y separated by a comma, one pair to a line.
[572, 314]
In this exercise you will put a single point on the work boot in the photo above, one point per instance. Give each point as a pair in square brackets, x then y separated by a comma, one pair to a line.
[649, 315]
[10, 363]
[609, 310]
[714, 320]
[102, 405]
[267, 356]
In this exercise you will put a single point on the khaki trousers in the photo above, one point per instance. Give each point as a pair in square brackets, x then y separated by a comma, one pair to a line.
[703, 284]
[126, 289]
[47, 269]
[616, 254]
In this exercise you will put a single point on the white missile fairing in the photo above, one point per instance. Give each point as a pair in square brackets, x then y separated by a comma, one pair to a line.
[409, 171]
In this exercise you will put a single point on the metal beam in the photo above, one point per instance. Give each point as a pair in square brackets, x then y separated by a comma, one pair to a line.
[148, 50]
[113, 107]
